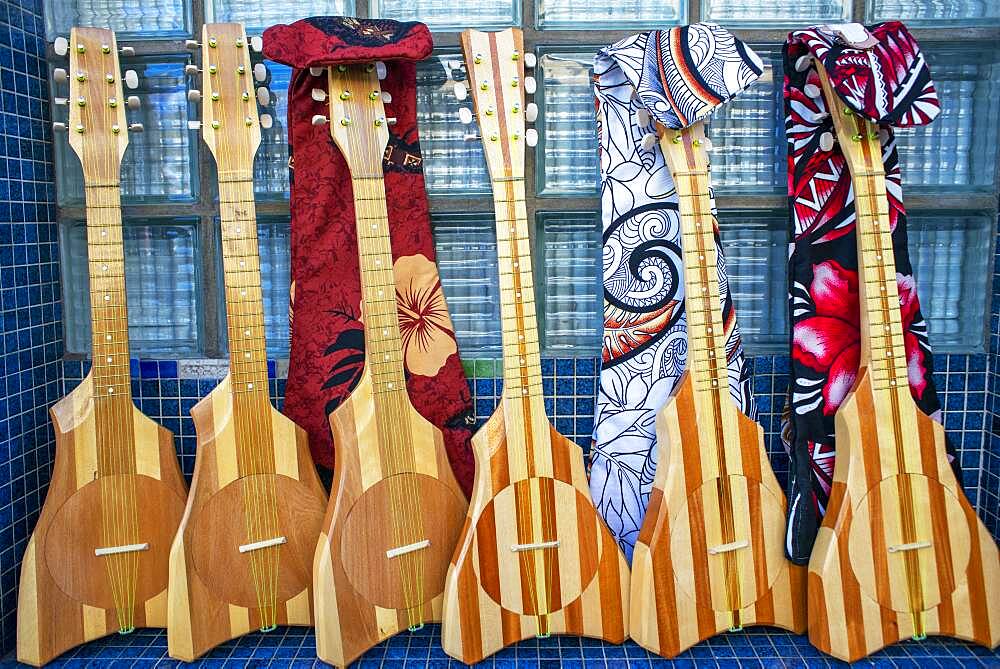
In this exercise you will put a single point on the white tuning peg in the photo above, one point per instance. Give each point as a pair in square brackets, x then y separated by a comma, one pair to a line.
[263, 96]
[257, 43]
[386, 98]
[883, 135]
[59, 127]
[266, 121]
[133, 102]
[812, 90]
[319, 95]
[529, 85]
[471, 137]
[136, 127]
[61, 46]
[319, 119]
[194, 125]
[260, 72]
[454, 64]
[706, 144]
[191, 44]
[826, 141]
[391, 120]
[648, 141]
[530, 60]
[802, 63]
[317, 71]
[127, 52]
[642, 117]
[461, 90]
[194, 95]
[531, 137]
[60, 76]
[131, 79]
[60, 101]
[530, 112]
[465, 115]
[380, 69]
[191, 70]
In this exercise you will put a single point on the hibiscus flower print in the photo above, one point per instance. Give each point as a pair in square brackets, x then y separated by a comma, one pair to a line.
[424, 324]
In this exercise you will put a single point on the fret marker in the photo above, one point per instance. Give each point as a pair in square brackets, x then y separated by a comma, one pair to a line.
[243, 263]
[108, 337]
[520, 337]
[522, 361]
[385, 332]
[249, 386]
[378, 262]
[386, 356]
[701, 257]
[374, 226]
[243, 293]
[517, 295]
[110, 358]
[111, 390]
[107, 298]
[715, 382]
[104, 233]
[524, 391]
[381, 292]
[238, 230]
[247, 355]
[390, 386]
[104, 268]
[892, 382]
[246, 332]
[708, 330]
[515, 264]
[711, 354]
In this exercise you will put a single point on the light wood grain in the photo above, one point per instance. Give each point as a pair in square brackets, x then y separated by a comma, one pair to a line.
[393, 487]
[534, 557]
[254, 479]
[900, 552]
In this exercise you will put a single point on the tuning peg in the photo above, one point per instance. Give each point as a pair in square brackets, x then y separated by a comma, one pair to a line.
[704, 143]
[60, 75]
[319, 119]
[386, 98]
[260, 72]
[812, 90]
[803, 62]
[192, 70]
[531, 137]
[60, 101]
[266, 121]
[461, 90]
[319, 95]
[317, 71]
[530, 60]
[127, 52]
[826, 141]
[257, 43]
[529, 85]
[131, 79]
[263, 96]
[530, 112]
[136, 127]
[133, 102]
[191, 44]
[194, 125]
[380, 69]
[454, 64]
[471, 137]
[391, 120]
[465, 115]
[61, 46]
[648, 141]
[59, 127]
[642, 117]
[194, 95]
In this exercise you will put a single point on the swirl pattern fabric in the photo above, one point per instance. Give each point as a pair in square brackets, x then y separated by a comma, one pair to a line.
[675, 77]
[888, 83]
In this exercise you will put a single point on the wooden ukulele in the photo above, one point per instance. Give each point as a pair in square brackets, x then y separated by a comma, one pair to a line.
[710, 554]
[241, 559]
[396, 508]
[900, 553]
[97, 560]
[534, 557]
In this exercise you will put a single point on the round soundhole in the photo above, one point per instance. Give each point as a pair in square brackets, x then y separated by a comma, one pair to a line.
[276, 521]
[398, 539]
[909, 543]
[724, 538]
[538, 543]
[114, 516]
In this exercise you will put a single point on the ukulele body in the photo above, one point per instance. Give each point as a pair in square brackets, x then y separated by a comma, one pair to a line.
[212, 595]
[65, 596]
[361, 593]
[488, 598]
[682, 564]
[858, 594]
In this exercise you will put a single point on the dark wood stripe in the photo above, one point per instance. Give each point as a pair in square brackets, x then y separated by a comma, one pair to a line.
[665, 594]
[609, 582]
[929, 448]
[941, 536]
[979, 608]
[851, 592]
[469, 614]
[486, 546]
[690, 437]
[879, 550]
[819, 615]
[562, 468]
[865, 405]
[550, 558]
[525, 534]
[751, 447]
[510, 627]
[764, 608]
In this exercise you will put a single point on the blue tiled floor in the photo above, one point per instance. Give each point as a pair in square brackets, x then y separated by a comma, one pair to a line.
[295, 647]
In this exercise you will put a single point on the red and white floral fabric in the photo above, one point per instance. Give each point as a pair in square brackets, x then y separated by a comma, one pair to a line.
[888, 82]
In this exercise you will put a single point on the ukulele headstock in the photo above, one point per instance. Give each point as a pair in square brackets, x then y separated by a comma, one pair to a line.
[685, 150]
[495, 65]
[858, 137]
[357, 118]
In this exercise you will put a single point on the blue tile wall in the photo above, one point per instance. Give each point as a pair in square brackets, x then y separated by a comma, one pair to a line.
[989, 481]
[31, 357]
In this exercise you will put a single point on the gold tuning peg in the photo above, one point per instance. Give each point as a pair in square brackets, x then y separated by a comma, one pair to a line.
[61, 46]
[131, 79]
[133, 102]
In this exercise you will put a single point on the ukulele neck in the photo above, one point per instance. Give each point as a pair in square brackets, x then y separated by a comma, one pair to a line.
[108, 310]
[383, 340]
[522, 370]
[244, 302]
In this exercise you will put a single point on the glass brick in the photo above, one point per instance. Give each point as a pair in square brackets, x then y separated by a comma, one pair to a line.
[950, 254]
[569, 274]
[162, 268]
[445, 15]
[466, 246]
[129, 19]
[776, 12]
[583, 14]
[452, 164]
[160, 163]
[274, 237]
[958, 150]
[933, 13]
[271, 163]
[568, 146]
[257, 15]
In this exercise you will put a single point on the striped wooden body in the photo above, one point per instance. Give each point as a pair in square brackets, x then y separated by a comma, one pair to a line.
[710, 554]
[900, 552]
[65, 597]
[534, 557]
[396, 508]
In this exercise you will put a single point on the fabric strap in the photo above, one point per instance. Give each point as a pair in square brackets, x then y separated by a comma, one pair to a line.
[676, 77]
[327, 344]
[887, 81]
